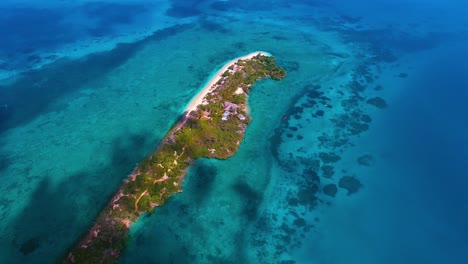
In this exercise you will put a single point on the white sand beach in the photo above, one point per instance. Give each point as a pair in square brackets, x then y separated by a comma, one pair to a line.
[197, 100]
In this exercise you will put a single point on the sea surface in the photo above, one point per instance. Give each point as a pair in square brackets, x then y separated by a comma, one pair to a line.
[358, 156]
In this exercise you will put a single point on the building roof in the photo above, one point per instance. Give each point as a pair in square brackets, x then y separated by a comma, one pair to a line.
[228, 106]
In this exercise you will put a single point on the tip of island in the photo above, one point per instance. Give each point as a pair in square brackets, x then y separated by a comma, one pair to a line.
[211, 84]
[212, 126]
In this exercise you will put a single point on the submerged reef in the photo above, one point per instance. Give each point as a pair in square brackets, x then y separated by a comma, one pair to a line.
[350, 183]
[29, 246]
[330, 189]
[214, 130]
[377, 102]
[329, 157]
[366, 160]
[327, 171]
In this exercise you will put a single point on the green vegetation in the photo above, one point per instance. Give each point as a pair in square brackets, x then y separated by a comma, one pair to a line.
[202, 133]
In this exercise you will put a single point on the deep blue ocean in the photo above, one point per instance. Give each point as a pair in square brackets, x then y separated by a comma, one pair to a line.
[360, 155]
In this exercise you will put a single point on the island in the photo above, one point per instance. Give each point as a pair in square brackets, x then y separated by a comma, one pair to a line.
[212, 126]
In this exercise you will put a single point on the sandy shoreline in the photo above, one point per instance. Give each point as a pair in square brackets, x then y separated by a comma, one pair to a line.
[197, 100]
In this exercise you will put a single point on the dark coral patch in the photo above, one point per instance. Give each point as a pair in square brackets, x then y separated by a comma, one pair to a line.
[293, 202]
[403, 75]
[300, 222]
[213, 26]
[327, 171]
[222, 5]
[29, 246]
[312, 178]
[357, 87]
[288, 230]
[311, 103]
[314, 93]
[202, 183]
[356, 128]
[319, 113]
[182, 11]
[330, 189]
[366, 160]
[297, 110]
[324, 139]
[5, 161]
[306, 196]
[366, 118]
[350, 183]
[333, 141]
[351, 102]
[252, 199]
[288, 65]
[288, 262]
[378, 88]
[329, 157]
[377, 102]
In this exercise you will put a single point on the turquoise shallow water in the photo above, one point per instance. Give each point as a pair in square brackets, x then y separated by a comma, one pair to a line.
[355, 157]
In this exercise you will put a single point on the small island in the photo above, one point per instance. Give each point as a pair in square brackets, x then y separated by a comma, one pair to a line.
[213, 126]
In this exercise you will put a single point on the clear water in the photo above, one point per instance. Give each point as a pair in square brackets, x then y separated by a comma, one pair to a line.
[89, 88]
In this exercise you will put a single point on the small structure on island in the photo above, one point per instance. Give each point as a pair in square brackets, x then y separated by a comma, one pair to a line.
[206, 114]
[228, 106]
[241, 117]
[225, 115]
[239, 91]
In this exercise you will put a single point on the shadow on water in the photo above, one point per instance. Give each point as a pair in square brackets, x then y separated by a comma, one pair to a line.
[165, 243]
[108, 15]
[130, 149]
[58, 215]
[23, 29]
[5, 159]
[244, 5]
[183, 8]
[200, 183]
[27, 32]
[49, 219]
[212, 26]
[32, 94]
[5, 162]
[176, 233]
[18, 34]
[251, 197]
[170, 222]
